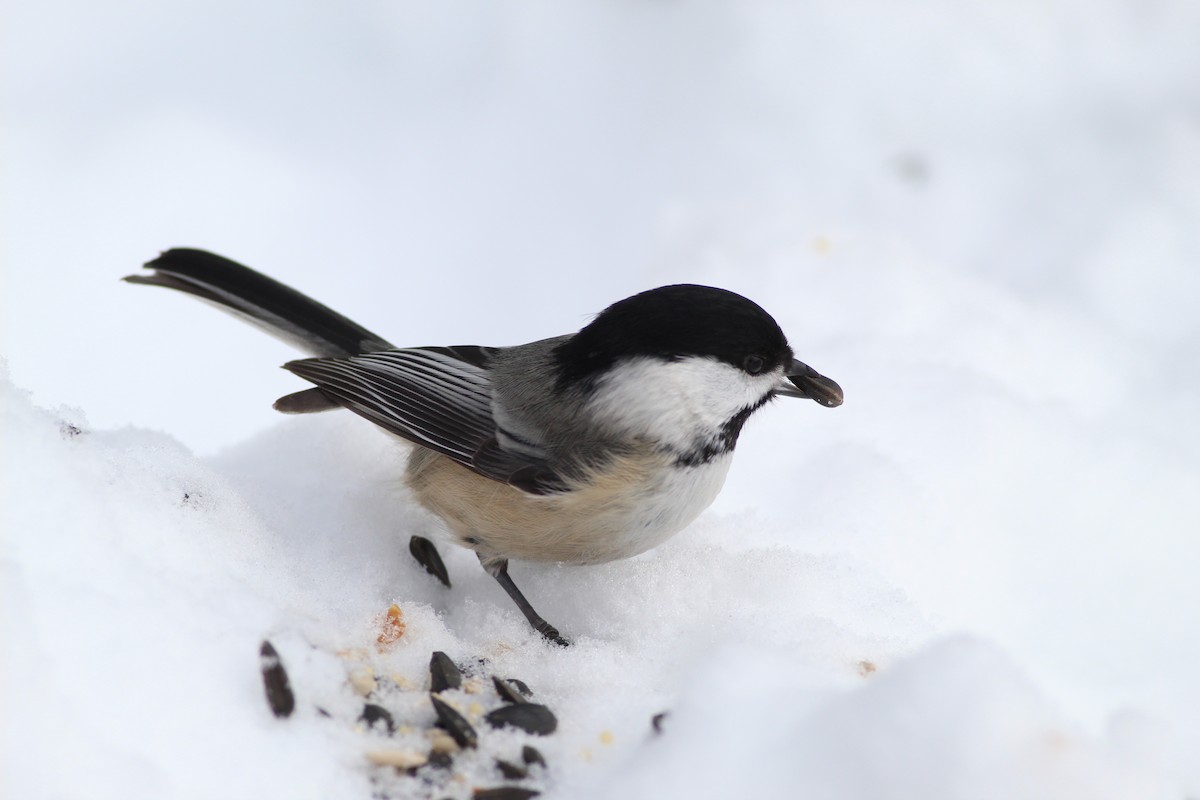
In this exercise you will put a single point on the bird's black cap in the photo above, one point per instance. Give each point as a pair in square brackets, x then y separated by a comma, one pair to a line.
[670, 323]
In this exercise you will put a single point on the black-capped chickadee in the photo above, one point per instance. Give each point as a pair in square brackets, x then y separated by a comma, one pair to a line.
[582, 449]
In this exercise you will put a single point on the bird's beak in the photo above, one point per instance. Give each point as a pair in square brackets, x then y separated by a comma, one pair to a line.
[804, 381]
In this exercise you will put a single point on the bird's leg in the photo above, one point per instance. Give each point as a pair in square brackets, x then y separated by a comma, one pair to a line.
[499, 571]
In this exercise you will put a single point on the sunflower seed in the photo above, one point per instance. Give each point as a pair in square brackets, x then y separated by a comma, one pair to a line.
[440, 760]
[509, 770]
[443, 674]
[656, 721]
[372, 713]
[529, 717]
[442, 742]
[363, 681]
[427, 556]
[395, 757]
[505, 793]
[275, 681]
[507, 691]
[454, 724]
[531, 755]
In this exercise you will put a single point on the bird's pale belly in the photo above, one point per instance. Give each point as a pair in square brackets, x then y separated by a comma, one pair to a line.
[636, 504]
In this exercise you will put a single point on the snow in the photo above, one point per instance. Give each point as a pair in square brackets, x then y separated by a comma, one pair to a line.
[974, 579]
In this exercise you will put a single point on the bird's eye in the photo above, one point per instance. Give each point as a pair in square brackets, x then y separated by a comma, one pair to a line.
[754, 364]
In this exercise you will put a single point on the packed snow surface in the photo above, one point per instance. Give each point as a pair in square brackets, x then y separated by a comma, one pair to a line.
[976, 579]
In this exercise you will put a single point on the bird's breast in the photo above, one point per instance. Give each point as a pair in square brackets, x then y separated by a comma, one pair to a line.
[630, 505]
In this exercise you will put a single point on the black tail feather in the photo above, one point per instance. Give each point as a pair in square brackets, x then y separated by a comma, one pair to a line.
[280, 310]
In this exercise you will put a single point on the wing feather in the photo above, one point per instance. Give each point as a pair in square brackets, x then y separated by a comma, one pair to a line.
[437, 397]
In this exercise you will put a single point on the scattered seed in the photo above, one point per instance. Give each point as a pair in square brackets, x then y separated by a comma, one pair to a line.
[395, 757]
[607, 738]
[363, 681]
[531, 755]
[505, 793]
[372, 713]
[428, 557]
[507, 691]
[442, 742]
[866, 667]
[440, 760]
[275, 681]
[656, 722]
[454, 723]
[511, 771]
[443, 673]
[393, 626]
[529, 717]
[521, 685]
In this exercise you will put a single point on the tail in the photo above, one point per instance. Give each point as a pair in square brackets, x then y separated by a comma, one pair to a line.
[266, 303]
[280, 310]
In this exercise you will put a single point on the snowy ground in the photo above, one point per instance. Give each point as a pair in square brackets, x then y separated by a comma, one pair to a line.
[977, 578]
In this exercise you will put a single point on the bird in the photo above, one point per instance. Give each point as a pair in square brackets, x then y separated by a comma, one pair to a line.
[582, 449]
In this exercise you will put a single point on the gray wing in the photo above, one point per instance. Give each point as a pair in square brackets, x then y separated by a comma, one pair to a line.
[437, 397]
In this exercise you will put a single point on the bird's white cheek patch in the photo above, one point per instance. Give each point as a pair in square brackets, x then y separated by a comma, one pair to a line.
[675, 402]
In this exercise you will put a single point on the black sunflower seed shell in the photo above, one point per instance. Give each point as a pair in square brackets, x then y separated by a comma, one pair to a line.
[508, 693]
[428, 557]
[454, 724]
[510, 770]
[372, 713]
[275, 681]
[443, 673]
[529, 717]
[505, 793]
[531, 755]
